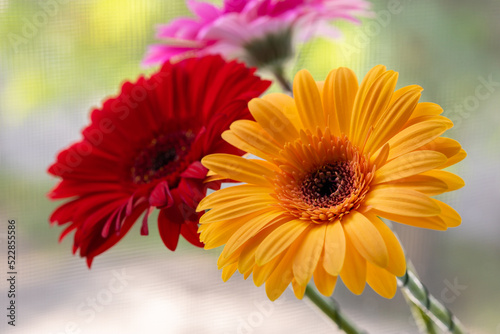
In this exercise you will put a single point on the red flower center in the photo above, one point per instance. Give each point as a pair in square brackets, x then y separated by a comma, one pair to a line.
[161, 157]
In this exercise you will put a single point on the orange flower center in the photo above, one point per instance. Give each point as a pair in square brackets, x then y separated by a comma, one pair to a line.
[322, 177]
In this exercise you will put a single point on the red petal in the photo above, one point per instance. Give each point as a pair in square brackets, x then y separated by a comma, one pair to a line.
[97, 245]
[161, 196]
[169, 227]
[189, 231]
[195, 171]
[191, 193]
[144, 227]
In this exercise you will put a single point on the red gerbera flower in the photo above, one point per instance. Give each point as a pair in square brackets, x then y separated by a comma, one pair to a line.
[142, 151]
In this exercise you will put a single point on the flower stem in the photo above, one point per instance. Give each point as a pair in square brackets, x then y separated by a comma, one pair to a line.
[281, 79]
[423, 321]
[419, 295]
[331, 309]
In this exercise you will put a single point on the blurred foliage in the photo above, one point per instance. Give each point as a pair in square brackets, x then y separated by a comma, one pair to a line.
[89, 47]
[51, 52]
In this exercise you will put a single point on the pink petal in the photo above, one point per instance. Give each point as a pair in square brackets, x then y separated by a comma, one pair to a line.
[204, 10]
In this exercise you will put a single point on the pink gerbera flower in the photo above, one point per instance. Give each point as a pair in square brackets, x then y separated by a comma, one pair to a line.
[261, 32]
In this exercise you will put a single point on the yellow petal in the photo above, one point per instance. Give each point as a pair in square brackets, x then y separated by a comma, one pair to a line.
[266, 164]
[339, 92]
[247, 273]
[346, 90]
[214, 177]
[262, 273]
[453, 182]
[249, 229]
[287, 106]
[279, 240]
[402, 91]
[228, 271]
[450, 217]
[273, 121]
[308, 254]
[373, 106]
[366, 238]
[328, 98]
[380, 157]
[433, 222]
[381, 281]
[409, 164]
[414, 137]
[397, 260]
[323, 280]
[425, 184]
[236, 141]
[455, 159]
[353, 272]
[363, 90]
[279, 100]
[370, 77]
[298, 289]
[226, 261]
[283, 274]
[238, 168]
[250, 137]
[247, 257]
[308, 101]
[320, 85]
[447, 146]
[238, 208]
[334, 250]
[217, 234]
[393, 119]
[405, 202]
[229, 194]
[426, 109]
[416, 120]
[253, 134]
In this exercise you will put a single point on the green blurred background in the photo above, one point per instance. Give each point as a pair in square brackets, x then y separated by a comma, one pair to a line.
[60, 58]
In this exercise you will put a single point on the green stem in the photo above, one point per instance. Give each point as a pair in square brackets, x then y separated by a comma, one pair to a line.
[330, 308]
[423, 321]
[419, 295]
[281, 79]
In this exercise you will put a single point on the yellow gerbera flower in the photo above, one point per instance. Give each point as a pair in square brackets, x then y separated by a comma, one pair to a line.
[336, 158]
